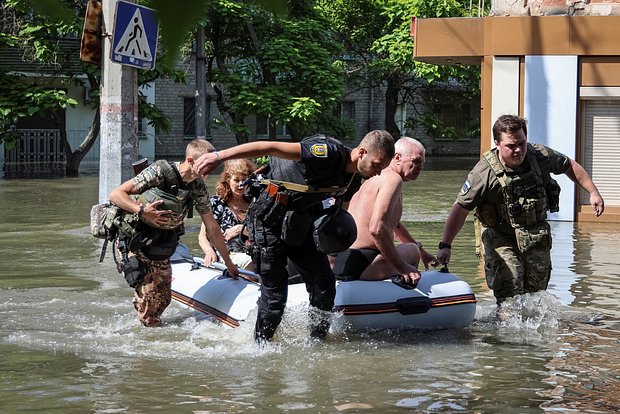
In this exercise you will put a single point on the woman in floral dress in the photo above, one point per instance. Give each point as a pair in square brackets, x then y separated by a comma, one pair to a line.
[229, 209]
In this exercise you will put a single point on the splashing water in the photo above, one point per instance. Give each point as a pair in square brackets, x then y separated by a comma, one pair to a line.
[536, 311]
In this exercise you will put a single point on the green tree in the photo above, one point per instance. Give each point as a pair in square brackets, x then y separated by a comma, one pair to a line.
[175, 22]
[278, 66]
[21, 97]
[376, 34]
[51, 44]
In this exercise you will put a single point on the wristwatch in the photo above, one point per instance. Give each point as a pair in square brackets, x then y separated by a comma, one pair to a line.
[443, 245]
[139, 213]
[418, 244]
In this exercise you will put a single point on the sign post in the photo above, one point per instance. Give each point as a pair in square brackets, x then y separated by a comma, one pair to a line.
[135, 36]
[119, 114]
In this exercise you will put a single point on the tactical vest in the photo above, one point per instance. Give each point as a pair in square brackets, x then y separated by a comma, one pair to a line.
[291, 175]
[174, 198]
[177, 204]
[525, 195]
[172, 194]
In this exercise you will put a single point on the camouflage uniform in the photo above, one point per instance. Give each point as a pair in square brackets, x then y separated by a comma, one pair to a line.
[153, 293]
[517, 257]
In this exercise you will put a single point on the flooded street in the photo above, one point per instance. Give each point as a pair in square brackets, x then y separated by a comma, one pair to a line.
[70, 342]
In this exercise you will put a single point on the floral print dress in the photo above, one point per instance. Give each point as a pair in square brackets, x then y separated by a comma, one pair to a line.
[226, 218]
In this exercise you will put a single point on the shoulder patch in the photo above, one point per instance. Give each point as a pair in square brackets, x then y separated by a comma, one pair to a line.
[319, 150]
[466, 188]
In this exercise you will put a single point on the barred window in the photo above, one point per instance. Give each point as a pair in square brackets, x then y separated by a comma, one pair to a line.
[189, 117]
[263, 126]
[456, 116]
[451, 114]
[345, 110]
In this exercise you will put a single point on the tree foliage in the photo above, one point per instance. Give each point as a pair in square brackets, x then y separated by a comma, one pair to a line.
[266, 64]
[47, 34]
[286, 60]
[21, 96]
[376, 35]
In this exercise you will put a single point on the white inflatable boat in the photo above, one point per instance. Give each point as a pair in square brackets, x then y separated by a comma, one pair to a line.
[441, 300]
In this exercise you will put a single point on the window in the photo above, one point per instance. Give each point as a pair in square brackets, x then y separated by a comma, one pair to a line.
[400, 117]
[453, 116]
[189, 117]
[263, 126]
[346, 110]
[601, 148]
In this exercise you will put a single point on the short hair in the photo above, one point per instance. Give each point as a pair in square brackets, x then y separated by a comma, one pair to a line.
[241, 166]
[378, 140]
[510, 124]
[198, 147]
[404, 145]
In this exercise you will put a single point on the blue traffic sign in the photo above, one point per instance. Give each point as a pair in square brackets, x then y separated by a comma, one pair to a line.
[134, 41]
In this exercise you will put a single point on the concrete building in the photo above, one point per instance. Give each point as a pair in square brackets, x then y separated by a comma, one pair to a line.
[365, 107]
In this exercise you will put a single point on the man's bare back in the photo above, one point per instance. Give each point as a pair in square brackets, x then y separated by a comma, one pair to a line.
[383, 192]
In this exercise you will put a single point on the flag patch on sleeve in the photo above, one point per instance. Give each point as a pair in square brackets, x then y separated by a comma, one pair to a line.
[319, 150]
[466, 188]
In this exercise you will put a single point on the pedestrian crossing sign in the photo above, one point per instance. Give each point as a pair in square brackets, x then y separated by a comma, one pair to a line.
[134, 41]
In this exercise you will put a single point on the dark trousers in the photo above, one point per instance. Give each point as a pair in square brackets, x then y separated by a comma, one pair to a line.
[270, 255]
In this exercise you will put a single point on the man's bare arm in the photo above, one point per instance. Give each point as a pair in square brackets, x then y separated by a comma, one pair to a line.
[287, 150]
[379, 227]
[454, 224]
[580, 176]
[121, 197]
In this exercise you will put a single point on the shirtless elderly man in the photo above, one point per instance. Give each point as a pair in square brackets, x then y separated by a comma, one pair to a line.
[373, 255]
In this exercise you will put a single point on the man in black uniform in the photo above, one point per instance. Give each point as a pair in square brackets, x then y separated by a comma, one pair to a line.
[280, 221]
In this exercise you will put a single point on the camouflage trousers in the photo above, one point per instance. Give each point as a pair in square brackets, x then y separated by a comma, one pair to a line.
[512, 268]
[153, 294]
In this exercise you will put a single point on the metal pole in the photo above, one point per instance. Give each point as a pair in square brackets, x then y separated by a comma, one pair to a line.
[119, 114]
[201, 93]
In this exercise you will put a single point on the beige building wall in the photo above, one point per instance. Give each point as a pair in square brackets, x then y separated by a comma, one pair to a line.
[503, 45]
[556, 8]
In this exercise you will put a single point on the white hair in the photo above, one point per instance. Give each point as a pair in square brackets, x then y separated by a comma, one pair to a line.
[405, 145]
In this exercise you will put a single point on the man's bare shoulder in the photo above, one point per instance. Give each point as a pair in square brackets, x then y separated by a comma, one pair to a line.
[389, 180]
[387, 176]
[385, 185]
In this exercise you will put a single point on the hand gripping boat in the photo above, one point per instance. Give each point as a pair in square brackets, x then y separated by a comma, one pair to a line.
[441, 300]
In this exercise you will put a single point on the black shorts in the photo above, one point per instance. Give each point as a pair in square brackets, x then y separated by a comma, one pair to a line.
[351, 263]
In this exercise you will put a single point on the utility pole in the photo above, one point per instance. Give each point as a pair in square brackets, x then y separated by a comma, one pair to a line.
[119, 114]
[201, 93]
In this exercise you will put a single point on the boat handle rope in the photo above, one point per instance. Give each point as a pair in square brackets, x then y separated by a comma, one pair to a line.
[250, 276]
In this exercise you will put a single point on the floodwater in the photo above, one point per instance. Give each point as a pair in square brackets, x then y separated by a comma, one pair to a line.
[69, 341]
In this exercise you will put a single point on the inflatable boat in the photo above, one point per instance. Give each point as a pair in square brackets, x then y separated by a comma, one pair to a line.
[441, 300]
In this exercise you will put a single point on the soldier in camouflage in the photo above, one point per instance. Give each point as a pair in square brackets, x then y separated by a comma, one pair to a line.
[155, 203]
[511, 189]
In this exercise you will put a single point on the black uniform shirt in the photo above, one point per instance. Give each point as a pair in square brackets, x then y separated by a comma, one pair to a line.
[322, 165]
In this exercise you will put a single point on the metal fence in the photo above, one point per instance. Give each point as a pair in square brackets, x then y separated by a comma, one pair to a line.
[36, 146]
[45, 146]
[40, 154]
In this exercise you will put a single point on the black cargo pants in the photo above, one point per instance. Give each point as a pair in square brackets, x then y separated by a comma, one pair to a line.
[269, 256]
